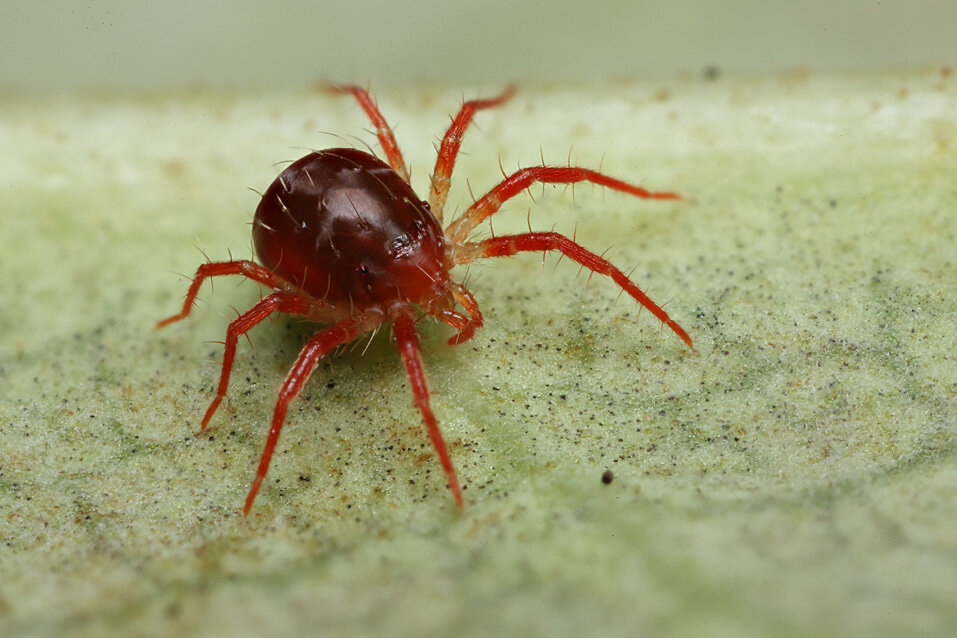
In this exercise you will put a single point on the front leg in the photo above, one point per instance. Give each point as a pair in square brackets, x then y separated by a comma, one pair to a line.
[317, 347]
[407, 342]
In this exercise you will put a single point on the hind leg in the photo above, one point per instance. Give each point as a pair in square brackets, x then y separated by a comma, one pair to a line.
[449, 150]
[383, 130]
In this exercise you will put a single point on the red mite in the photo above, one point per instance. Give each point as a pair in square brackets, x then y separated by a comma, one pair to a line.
[344, 240]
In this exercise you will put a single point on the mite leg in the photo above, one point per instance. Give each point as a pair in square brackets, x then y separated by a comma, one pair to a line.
[466, 326]
[448, 151]
[463, 324]
[244, 267]
[506, 245]
[488, 204]
[383, 131]
[319, 345]
[407, 342]
[276, 302]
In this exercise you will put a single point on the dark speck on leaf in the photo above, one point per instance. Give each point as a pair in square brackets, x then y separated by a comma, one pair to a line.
[607, 477]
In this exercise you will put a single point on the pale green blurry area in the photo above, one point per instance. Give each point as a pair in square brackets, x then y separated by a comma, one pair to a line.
[795, 476]
[62, 45]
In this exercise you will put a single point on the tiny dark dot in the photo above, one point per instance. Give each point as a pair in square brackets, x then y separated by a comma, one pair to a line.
[607, 477]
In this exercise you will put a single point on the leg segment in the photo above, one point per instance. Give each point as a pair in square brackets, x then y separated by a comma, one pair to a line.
[276, 302]
[466, 326]
[319, 345]
[407, 342]
[383, 131]
[488, 204]
[442, 175]
[510, 244]
[249, 269]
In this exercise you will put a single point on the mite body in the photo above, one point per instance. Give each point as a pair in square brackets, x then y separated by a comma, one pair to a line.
[343, 240]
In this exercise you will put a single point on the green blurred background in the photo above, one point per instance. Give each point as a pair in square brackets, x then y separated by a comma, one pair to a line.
[52, 46]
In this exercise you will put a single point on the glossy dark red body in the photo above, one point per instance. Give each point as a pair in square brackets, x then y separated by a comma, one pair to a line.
[343, 226]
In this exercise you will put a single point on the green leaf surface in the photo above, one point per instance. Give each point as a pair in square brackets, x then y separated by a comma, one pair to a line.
[796, 477]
